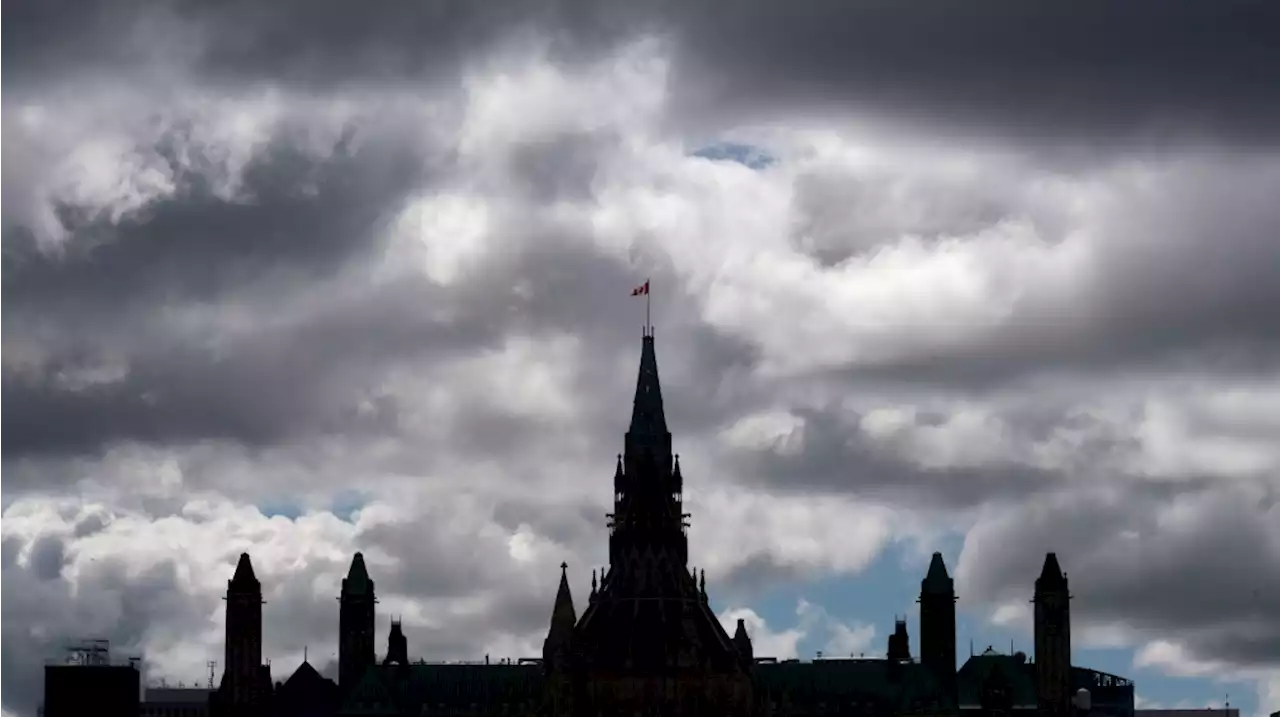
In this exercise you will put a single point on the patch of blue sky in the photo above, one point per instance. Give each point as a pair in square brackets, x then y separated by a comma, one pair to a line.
[744, 154]
[346, 504]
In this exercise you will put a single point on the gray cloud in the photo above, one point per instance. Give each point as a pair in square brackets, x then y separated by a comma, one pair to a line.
[1128, 553]
[838, 456]
[1056, 71]
[276, 343]
[1048, 72]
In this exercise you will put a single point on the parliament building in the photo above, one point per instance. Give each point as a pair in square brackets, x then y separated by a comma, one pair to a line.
[646, 641]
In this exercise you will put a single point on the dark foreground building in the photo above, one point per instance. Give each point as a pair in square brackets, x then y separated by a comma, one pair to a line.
[648, 643]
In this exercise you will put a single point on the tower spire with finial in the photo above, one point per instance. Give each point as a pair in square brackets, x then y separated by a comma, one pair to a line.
[643, 290]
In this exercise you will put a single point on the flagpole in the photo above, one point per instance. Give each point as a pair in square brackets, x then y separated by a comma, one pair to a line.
[648, 292]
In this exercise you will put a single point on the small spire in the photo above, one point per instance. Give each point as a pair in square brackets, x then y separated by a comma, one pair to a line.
[593, 581]
[563, 618]
[937, 581]
[244, 577]
[304, 653]
[648, 420]
[563, 612]
[742, 641]
[1051, 575]
[703, 588]
[357, 582]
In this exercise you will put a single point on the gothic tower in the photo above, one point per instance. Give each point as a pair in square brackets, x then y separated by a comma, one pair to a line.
[938, 622]
[900, 642]
[649, 630]
[397, 646]
[355, 625]
[1053, 640]
[243, 642]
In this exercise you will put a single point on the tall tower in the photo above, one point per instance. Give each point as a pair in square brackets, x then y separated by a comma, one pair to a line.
[243, 642]
[1053, 640]
[938, 622]
[647, 485]
[649, 629]
[355, 625]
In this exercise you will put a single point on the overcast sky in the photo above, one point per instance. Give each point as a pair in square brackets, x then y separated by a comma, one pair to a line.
[991, 278]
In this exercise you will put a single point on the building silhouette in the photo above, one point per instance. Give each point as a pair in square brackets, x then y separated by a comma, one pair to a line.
[648, 643]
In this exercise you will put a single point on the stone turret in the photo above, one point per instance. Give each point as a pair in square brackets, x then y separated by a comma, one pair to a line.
[356, 616]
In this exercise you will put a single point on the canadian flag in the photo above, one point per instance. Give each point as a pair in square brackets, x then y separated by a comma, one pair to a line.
[641, 290]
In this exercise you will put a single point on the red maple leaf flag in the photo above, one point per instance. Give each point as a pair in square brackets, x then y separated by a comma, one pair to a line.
[642, 290]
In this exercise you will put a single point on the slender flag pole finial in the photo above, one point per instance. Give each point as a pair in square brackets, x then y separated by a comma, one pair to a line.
[643, 290]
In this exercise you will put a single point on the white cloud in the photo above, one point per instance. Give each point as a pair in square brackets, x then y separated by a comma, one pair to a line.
[835, 638]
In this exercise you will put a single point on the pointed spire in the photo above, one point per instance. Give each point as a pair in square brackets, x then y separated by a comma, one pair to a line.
[1051, 575]
[647, 416]
[937, 581]
[563, 620]
[357, 582]
[617, 471]
[563, 614]
[244, 577]
[742, 641]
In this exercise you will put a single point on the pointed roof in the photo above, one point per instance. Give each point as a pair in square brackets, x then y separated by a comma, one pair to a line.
[357, 581]
[647, 416]
[244, 577]
[937, 581]
[1051, 575]
[742, 641]
[563, 615]
[305, 676]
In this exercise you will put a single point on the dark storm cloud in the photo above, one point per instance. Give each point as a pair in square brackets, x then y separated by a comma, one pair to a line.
[1129, 556]
[1042, 71]
[258, 388]
[297, 41]
[837, 456]
[48, 554]
[298, 218]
